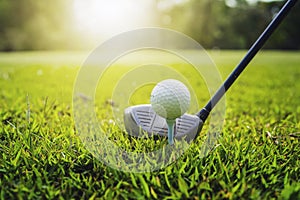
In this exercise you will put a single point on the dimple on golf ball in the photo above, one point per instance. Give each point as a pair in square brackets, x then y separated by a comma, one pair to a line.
[170, 99]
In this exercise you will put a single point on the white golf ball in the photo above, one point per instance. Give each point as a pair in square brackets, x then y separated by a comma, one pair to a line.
[170, 99]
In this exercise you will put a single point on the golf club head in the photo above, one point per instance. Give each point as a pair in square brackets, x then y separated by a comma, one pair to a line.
[142, 118]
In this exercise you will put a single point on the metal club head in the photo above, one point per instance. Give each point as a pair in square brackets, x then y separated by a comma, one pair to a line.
[142, 118]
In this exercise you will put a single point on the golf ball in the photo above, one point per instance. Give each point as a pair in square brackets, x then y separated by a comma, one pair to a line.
[170, 99]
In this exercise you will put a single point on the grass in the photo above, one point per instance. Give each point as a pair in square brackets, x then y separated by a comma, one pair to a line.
[256, 157]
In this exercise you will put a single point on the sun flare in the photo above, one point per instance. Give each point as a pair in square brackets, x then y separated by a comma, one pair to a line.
[99, 18]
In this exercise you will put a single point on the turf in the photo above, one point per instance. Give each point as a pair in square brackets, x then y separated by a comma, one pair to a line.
[256, 157]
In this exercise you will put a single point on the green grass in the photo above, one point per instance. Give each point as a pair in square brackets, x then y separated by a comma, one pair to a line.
[256, 157]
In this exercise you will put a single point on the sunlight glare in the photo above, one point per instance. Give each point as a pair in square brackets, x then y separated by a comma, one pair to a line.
[104, 18]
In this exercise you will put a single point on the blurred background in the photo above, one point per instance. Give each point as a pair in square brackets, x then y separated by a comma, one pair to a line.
[84, 24]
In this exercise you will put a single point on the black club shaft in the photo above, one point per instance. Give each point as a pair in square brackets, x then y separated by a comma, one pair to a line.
[203, 114]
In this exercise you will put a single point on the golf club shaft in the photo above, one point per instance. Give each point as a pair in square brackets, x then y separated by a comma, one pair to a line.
[203, 114]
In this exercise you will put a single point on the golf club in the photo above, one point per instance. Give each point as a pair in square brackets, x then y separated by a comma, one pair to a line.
[143, 118]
